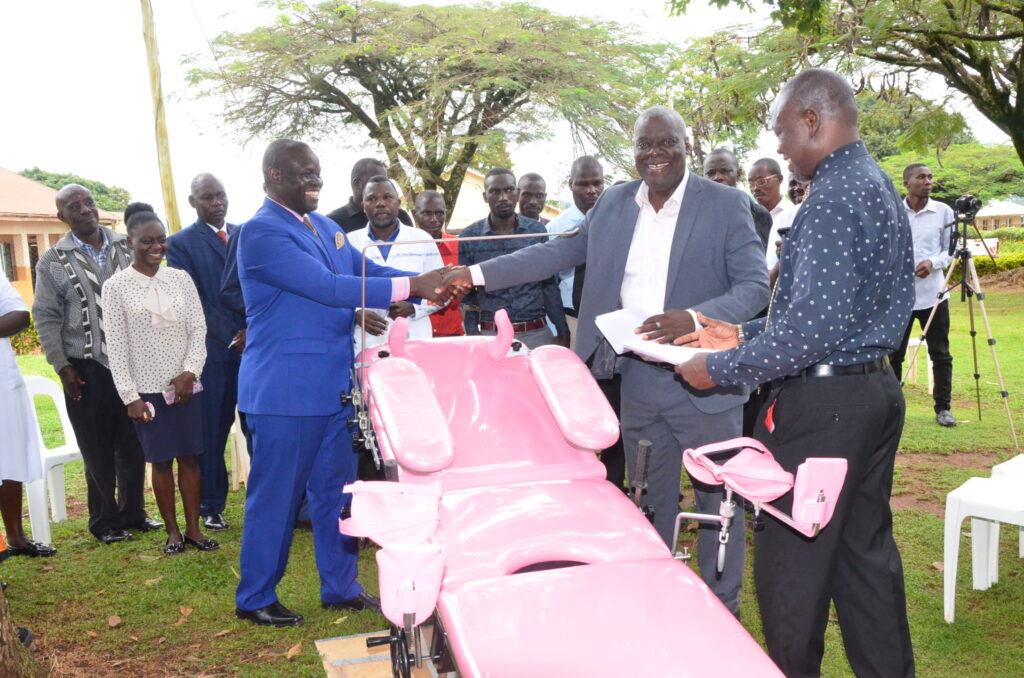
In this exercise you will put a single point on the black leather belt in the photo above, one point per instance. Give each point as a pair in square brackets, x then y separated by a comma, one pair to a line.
[527, 326]
[879, 365]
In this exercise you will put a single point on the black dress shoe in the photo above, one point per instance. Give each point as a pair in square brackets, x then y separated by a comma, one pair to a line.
[204, 545]
[24, 635]
[175, 548]
[147, 525]
[33, 549]
[364, 601]
[274, 614]
[215, 522]
[114, 536]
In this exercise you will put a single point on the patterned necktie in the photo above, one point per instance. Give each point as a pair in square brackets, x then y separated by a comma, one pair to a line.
[223, 236]
[309, 225]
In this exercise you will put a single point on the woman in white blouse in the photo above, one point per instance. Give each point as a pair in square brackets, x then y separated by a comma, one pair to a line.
[156, 343]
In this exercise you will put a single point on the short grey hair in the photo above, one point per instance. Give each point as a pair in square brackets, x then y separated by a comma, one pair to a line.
[670, 114]
[820, 90]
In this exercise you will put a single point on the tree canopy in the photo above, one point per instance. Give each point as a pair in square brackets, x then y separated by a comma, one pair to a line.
[431, 84]
[110, 198]
[989, 171]
[976, 46]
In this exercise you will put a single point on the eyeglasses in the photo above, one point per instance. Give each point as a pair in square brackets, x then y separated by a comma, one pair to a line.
[762, 181]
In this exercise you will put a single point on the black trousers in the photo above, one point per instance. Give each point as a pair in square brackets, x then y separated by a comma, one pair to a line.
[854, 561]
[613, 458]
[938, 350]
[114, 465]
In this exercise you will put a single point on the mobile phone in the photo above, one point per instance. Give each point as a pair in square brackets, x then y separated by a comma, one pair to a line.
[170, 397]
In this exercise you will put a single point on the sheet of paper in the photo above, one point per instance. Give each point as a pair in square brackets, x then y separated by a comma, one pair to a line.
[666, 353]
[618, 326]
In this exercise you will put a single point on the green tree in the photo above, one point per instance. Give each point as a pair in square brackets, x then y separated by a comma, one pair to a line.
[432, 84]
[976, 46]
[110, 198]
[989, 171]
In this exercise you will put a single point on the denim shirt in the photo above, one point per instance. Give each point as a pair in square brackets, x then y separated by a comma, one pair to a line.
[97, 255]
[523, 302]
[846, 279]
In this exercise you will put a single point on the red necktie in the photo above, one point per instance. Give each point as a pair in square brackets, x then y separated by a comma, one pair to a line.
[223, 236]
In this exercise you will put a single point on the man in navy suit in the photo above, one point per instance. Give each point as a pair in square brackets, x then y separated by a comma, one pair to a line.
[201, 251]
[300, 278]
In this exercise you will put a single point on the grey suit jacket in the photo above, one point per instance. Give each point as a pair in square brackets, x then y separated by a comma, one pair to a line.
[716, 267]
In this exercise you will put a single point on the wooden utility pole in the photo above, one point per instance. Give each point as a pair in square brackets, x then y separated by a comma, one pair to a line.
[163, 149]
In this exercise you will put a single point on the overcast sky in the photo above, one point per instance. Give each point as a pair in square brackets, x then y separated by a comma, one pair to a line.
[77, 99]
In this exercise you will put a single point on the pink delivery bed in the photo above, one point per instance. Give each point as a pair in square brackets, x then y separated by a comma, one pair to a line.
[500, 535]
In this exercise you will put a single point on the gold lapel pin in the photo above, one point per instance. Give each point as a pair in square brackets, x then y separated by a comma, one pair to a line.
[339, 240]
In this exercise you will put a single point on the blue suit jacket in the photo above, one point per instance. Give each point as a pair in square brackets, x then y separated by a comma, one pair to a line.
[199, 252]
[300, 293]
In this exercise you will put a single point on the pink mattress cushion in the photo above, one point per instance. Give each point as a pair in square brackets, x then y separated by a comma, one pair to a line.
[493, 531]
[583, 414]
[652, 618]
[412, 427]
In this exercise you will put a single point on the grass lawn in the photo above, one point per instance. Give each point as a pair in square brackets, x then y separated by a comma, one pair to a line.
[176, 613]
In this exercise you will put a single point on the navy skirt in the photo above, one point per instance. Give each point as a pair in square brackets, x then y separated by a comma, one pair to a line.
[175, 430]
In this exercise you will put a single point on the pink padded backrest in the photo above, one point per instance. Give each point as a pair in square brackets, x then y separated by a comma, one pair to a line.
[413, 426]
[409, 576]
[752, 472]
[582, 412]
[819, 480]
[392, 513]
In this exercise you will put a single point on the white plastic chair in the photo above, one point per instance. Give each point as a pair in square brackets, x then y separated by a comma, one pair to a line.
[912, 367]
[53, 461]
[1012, 468]
[983, 500]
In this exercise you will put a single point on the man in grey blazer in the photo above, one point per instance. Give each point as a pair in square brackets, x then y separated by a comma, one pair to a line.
[673, 243]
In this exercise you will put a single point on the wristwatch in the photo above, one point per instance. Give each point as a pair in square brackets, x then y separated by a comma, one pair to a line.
[739, 333]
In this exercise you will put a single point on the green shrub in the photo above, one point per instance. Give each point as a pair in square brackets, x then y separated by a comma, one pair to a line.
[1004, 262]
[1015, 234]
[26, 341]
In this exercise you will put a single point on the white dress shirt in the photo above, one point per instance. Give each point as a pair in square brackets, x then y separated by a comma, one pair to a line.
[155, 329]
[420, 257]
[780, 219]
[931, 230]
[646, 275]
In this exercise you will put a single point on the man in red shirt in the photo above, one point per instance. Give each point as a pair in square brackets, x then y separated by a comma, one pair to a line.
[430, 213]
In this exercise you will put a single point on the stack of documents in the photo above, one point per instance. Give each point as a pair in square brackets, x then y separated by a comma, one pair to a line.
[619, 328]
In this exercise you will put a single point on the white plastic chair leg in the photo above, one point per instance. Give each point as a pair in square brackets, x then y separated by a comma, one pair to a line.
[951, 553]
[981, 532]
[58, 500]
[993, 552]
[38, 516]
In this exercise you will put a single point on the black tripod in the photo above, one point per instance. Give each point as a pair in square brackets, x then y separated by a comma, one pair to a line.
[966, 207]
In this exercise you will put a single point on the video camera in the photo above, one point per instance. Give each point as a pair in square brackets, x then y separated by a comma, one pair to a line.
[965, 208]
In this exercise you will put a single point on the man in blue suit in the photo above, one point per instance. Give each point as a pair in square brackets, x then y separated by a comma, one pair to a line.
[301, 283]
[201, 251]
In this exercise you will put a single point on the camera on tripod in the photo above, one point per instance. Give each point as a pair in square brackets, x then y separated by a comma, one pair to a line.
[966, 207]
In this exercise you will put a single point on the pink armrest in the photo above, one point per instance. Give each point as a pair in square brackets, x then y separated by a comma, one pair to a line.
[413, 426]
[498, 348]
[410, 580]
[583, 414]
[752, 472]
[392, 513]
[819, 480]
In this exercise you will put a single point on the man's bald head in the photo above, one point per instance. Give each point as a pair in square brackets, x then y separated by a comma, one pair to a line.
[279, 151]
[820, 90]
[209, 199]
[77, 209]
[814, 115]
[665, 113]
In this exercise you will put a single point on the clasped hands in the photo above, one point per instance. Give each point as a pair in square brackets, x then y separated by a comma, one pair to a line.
[438, 287]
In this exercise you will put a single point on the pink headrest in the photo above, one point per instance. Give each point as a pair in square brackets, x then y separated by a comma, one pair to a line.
[392, 513]
[752, 472]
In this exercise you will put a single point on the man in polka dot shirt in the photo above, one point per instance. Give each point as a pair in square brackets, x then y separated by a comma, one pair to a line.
[842, 303]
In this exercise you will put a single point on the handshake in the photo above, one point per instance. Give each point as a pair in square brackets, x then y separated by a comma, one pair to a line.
[441, 285]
